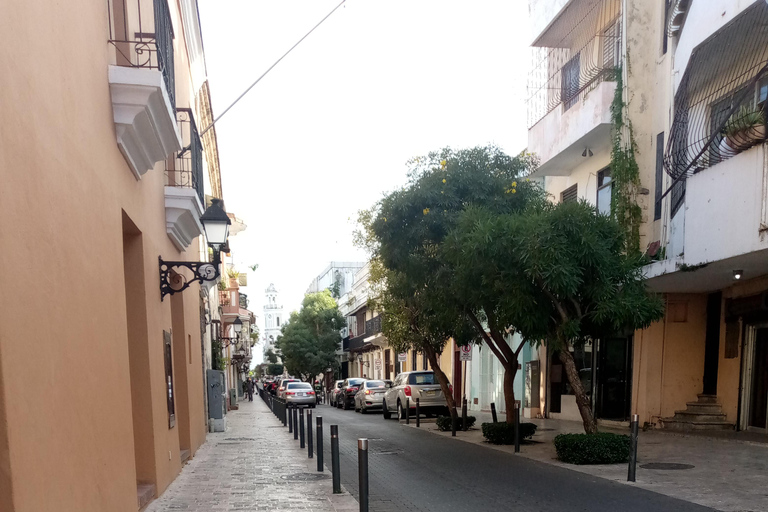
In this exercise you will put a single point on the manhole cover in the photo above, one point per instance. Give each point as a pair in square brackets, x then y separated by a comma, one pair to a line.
[239, 439]
[305, 477]
[666, 465]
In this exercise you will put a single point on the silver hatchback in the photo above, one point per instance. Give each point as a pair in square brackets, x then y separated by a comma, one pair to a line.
[370, 396]
[409, 386]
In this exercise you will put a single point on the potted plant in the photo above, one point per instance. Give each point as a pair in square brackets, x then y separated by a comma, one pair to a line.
[743, 130]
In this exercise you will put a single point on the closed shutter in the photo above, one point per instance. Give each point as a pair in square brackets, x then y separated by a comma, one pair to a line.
[569, 194]
[169, 379]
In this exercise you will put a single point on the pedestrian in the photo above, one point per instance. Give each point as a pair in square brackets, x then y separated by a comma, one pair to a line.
[249, 389]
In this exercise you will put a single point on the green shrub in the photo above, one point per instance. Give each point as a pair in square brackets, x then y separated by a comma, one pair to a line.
[600, 448]
[444, 423]
[504, 433]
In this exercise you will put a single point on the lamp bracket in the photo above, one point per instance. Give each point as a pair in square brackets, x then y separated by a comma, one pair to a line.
[225, 341]
[172, 281]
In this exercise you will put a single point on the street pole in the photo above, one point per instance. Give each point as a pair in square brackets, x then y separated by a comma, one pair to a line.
[362, 468]
[301, 427]
[320, 443]
[407, 410]
[454, 420]
[295, 423]
[517, 426]
[290, 419]
[464, 414]
[418, 414]
[335, 459]
[633, 448]
[493, 412]
[310, 448]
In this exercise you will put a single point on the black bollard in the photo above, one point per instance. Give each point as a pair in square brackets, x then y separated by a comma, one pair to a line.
[290, 420]
[418, 414]
[295, 423]
[517, 426]
[335, 459]
[320, 443]
[362, 468]
[281, 405]
[633, 448]
[464, 414]
[301, 427]
[407, 410]
[454, 420]
[310, 452]
[493, 412]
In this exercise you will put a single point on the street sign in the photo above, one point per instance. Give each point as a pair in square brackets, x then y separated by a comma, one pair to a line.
[466, 353]
[402, 357]
[378, 364]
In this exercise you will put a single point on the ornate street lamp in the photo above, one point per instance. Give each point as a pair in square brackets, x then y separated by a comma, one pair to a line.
[216, 226]
[227, 340]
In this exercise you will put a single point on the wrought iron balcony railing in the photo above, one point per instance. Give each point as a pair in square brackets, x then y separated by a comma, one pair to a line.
[580, 50]
[225, 298]
[243, 301]
[143, 38]
[185, 169]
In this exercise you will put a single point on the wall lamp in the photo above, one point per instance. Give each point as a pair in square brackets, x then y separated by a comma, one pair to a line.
[216, 226]
[227, 341]
[737, 274]
[364, 363]
[587, 150]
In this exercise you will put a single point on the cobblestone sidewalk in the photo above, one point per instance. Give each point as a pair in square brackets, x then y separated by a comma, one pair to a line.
[251, 466]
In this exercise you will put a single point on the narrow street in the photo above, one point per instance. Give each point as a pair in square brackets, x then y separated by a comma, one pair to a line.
[417, 471]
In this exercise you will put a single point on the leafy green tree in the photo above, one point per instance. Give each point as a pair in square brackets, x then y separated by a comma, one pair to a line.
[274, 369]
[309, 340]
[271, 356]
[557, 273]
[406, 230]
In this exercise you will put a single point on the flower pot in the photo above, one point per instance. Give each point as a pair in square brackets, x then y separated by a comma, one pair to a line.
[726, 150]
[747, 138]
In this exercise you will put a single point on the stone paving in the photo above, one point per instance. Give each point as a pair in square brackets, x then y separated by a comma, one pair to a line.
[256, 466]
[728, 473]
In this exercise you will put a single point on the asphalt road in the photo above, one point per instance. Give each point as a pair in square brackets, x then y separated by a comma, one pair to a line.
[414, 470]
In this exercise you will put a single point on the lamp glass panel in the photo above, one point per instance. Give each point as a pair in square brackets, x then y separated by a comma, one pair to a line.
[216, 231]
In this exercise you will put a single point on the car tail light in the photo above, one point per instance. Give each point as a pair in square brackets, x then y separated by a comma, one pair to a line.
[349, 390]
[282, 388]
[407, 390]
[367, 391]
[311, 393]
[290, 393]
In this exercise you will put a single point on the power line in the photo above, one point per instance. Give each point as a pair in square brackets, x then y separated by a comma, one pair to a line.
[270, 68]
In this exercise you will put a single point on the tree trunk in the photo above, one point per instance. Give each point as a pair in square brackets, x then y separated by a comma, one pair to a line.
[510, 370]
[582, 400]
[442, 378]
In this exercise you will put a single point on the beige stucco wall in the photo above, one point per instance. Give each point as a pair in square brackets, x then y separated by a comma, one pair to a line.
[67, 410]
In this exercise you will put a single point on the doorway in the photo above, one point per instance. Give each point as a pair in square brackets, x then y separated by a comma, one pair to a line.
[755, 379]
[614, 383]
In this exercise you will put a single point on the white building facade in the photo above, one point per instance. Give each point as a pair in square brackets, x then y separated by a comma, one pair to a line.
[273, 317]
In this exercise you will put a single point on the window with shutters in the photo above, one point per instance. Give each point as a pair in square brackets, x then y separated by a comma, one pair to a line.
[169, 379]
[604, 191]
[424, 365]
[569, 194]
[659, 175]
[413, 360]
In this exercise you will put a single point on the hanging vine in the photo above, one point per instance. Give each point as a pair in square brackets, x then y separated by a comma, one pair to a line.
[625, 173]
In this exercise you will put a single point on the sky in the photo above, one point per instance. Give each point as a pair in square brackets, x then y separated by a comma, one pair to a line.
[329, 130]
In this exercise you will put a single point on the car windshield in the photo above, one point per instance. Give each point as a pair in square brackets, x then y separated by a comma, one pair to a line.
[356, 382]
[374, 384]
[299, 385]
[422, 378]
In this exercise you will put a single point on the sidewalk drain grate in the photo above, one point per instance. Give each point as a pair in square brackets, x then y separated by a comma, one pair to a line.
[666, 465]
[305, 477]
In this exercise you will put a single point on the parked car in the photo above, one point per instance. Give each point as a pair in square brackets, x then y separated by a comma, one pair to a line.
[346, 395]
[282, 385]
[300, 393]
[335, 392]
[413, 385]
[370, 395]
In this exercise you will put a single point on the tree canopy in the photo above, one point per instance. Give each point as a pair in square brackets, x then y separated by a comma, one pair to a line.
[309, 340]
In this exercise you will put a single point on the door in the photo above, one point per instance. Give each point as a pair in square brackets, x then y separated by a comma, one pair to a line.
[755, 400]
[614, 373]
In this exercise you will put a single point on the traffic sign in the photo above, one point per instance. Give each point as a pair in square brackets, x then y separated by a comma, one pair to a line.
[402, 357]
[466, 353]
[377, 363]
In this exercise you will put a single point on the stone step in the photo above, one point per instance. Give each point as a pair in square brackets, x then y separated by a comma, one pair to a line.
[144, 494]
[688, 415]
[673, 424]
[704, 408]
[184, 455]
[707, 399]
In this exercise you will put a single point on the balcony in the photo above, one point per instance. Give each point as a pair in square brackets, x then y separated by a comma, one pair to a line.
[243, 299]
[141, 82]
[571, 83]
[184, 196]
[725, 228]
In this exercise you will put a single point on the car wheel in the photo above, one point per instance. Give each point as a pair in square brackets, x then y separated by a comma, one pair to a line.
[400, 411]
[385, 411]
[362, 410]
[345, 406]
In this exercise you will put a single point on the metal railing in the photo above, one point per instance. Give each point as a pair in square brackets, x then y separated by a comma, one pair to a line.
[243, 301]
[225, 298]
[143, 38]
[185, 169]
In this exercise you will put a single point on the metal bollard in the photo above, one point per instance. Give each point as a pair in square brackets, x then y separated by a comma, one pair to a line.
[454, 420]
[290, 419]
[335, 459]
[493, 412]
[310, 452]
[418, 414]
[282, 412]
[362, 468]
[464, 414]
[301, 427]
[633, 448]
[295, 423]
[407, 410]
[517, 426]
[320, 443]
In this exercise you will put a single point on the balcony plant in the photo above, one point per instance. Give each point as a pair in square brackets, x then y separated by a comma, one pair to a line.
[744, 129]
